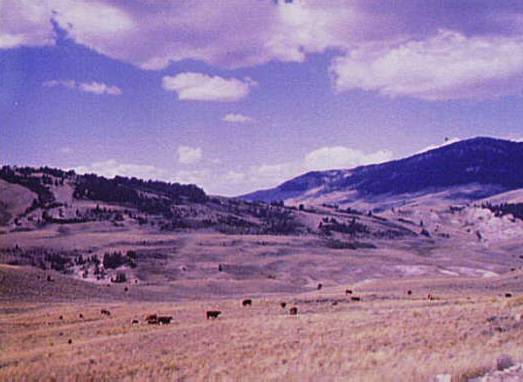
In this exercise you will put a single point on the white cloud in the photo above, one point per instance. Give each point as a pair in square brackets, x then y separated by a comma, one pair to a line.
[85, 87]
[201, 87]
[236, 118]
[112, 167]
[327, 158]
[189, 155]
[446, 66]
[393, 49]
[324, 158]
[234, 176]
[99, 88]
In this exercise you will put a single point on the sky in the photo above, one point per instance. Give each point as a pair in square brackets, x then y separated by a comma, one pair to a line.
[240, 95]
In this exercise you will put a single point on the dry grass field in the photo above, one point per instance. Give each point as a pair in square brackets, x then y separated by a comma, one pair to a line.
[388, 335]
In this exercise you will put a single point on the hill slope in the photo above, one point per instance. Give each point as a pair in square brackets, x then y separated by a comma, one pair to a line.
[487, 166]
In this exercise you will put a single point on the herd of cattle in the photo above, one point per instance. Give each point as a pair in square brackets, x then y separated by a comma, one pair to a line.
[155, 319]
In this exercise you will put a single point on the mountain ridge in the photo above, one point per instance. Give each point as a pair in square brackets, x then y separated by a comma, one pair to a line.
[494, 163]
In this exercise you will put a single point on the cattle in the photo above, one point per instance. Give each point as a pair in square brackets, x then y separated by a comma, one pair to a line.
[320, 286]
[247, 302]
[135, 322]
[49, 278]
[105, 312]
[508, 295]
[409, 292]
[69, 341]
[293, 311]
[81, 316]
[283, 304]
[334, 303]
[151, 319]
[164, 320]
[213, 313]
[430, 297]
[348, 291]
[126, 289]
[220, 268]
[61, 317]
[354, 298]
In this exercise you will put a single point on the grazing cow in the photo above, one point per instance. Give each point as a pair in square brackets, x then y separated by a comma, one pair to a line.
[409, 292]
[247, 302]
[354, 298]
[61, 317]
[320, 286]
[125, 289]
[508, 295]
[213, 313]
[164, 320]
[69, 341]
[135, 322]
[293, 311]
[283, 304]
[430, 297]
[348, 291]
[152, 319]
[105, 311]
[49, 278]
[81, 316]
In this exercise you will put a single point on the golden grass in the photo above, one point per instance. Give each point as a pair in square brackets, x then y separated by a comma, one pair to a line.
[395, 339]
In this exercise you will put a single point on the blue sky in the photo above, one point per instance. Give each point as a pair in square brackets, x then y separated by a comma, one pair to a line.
[236, 98]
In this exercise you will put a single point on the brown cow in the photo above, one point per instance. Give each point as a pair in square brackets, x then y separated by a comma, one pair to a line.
[283, 304]
[81, 316]
[508, 295]
[135, 322]
[247, 302]
[409, 292]
[105, 311]
[348, 291]
[213, 313]
[152, 319]
[293, 311]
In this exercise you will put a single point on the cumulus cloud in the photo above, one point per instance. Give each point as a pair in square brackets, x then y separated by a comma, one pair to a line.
[189, 155]
[326, 158]
[85, 87]
[446, 66]
[236, 118]
[112, 167]
[432, 50]
[201, 87]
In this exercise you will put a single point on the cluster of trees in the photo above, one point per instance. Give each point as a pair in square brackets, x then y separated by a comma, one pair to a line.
[328, 225]
[134, 192]
[515, 209]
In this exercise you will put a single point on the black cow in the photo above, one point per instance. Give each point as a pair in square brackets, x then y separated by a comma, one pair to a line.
[105, 311]
[293, 311]
[213, 313]
[164, 320]
[283, 304]
[354, 298]
[247, 302]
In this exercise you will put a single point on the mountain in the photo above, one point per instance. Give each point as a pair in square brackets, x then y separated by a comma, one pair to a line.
[470, 169]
